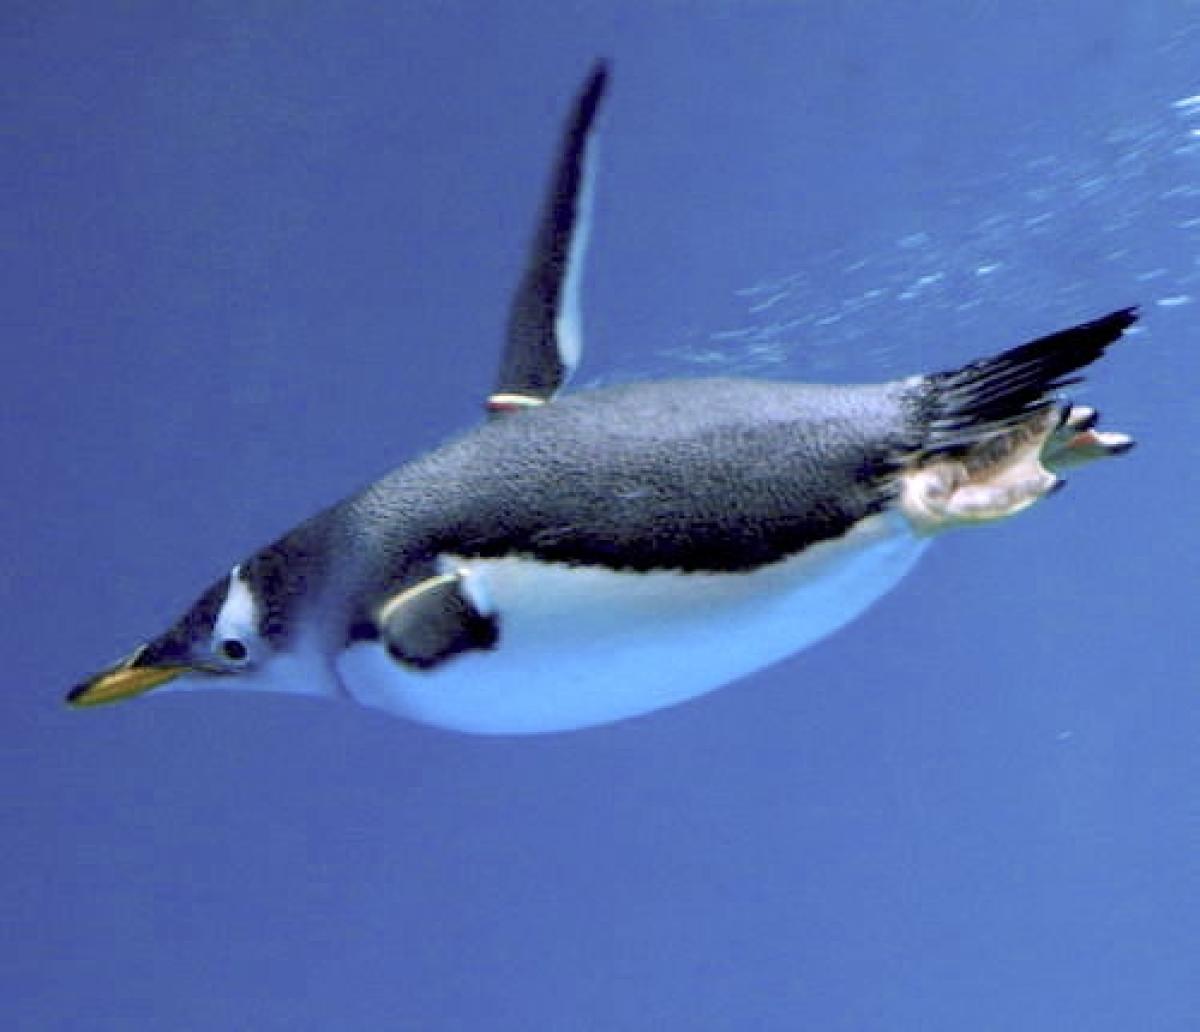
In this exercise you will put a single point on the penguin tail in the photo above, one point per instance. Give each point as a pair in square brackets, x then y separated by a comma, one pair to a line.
[996, 433]
[998, 392]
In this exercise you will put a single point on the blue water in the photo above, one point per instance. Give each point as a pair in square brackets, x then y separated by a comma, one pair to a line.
[257, 253]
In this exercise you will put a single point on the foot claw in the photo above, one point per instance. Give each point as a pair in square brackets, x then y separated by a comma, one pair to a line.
[1075, 447]
[1079, 418]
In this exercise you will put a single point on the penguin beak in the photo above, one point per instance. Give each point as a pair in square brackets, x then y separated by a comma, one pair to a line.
[123, 681]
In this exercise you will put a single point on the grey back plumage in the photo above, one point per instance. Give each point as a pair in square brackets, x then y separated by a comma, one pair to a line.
[713, 475]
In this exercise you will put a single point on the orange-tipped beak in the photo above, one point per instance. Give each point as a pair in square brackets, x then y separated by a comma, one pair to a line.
[121, 682]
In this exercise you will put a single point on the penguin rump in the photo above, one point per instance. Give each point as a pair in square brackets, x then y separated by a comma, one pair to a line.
[579, 559]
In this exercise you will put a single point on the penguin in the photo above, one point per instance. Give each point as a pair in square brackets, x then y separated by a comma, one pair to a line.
[580, 559]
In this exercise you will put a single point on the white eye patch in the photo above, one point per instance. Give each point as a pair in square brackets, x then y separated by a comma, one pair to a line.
[238, 616]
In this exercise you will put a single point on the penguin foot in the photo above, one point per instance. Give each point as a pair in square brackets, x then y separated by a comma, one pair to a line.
[1006, 473]
[994, 478]
[1077, 441]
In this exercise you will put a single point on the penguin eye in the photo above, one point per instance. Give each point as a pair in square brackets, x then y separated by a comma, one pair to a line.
[233, 650]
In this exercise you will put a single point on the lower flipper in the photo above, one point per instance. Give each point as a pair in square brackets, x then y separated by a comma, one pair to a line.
[434, 620]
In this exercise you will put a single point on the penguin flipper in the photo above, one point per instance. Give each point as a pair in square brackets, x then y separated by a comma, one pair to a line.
[434, 620]
[543, 342]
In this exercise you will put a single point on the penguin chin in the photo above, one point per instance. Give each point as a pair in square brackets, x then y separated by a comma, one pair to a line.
[194, 681]
[285, 673]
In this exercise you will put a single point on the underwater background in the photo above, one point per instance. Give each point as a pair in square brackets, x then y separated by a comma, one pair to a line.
[256, 253]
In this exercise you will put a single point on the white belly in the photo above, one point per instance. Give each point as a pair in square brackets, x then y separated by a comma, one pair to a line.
[585, 645]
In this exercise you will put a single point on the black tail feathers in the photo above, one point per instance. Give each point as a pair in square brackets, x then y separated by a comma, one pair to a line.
[979, 399]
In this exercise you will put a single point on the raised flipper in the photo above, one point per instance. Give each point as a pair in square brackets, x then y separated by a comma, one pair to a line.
[996, 434]
[543, 340]
[435, 619]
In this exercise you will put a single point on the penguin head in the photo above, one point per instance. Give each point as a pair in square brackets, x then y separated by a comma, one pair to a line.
[229, 638]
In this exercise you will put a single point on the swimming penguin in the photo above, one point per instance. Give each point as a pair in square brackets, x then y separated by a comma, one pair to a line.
[577, 560]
